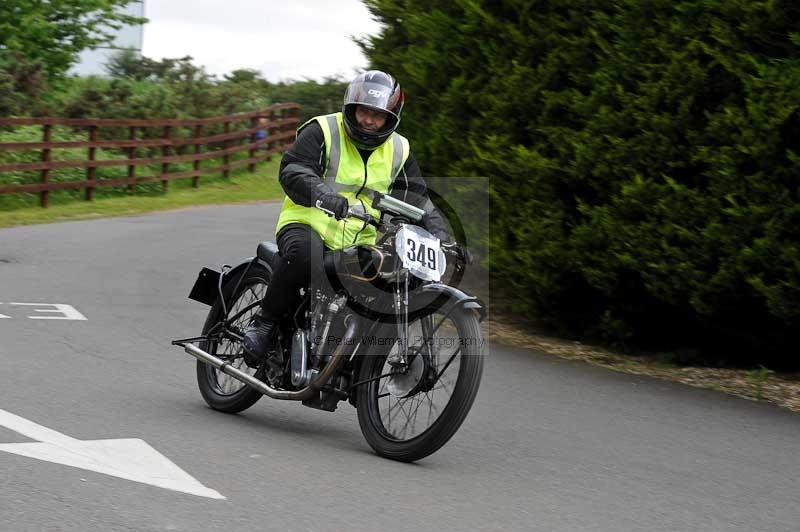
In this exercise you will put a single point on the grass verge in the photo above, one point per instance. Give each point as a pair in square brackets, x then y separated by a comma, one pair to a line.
[242, 186]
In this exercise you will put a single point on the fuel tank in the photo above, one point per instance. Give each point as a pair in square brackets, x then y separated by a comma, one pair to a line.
[358, 268]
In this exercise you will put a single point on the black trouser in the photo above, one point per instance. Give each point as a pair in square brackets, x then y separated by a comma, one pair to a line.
[301, 251]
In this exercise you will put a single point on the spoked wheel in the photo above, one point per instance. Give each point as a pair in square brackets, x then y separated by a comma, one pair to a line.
[221, 391]
[409, 415]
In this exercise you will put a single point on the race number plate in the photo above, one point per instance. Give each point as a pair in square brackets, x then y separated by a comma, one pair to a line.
[421, 253]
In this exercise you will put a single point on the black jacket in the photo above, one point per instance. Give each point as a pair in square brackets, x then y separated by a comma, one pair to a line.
[303, 165]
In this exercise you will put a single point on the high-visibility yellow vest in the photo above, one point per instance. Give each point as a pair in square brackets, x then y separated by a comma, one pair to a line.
[347, 174]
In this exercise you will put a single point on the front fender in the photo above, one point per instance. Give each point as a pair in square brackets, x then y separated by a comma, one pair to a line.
[433, 296]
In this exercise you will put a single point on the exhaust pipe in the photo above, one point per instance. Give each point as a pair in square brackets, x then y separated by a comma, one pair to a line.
[342, 353]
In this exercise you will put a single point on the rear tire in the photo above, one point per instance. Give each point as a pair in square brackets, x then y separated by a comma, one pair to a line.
[220, 391]
[372, 397]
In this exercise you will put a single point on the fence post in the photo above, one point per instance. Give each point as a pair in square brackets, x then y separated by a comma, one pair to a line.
[252, 152]
[227, 158]
[198, 130]
[91, 171]
[44, 197]
[132, 167]
[164, 153]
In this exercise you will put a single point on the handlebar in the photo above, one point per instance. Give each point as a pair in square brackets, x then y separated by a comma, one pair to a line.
[385, 204]
[449, 248]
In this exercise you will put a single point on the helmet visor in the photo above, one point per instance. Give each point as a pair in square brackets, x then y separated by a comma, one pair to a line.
[376, 96]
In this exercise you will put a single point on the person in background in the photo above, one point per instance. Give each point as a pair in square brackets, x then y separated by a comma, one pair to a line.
[261, 134]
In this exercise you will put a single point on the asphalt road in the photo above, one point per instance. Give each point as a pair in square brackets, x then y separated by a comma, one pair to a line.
[550, 445]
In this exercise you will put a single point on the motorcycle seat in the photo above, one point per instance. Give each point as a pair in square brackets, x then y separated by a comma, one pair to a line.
[267, 251]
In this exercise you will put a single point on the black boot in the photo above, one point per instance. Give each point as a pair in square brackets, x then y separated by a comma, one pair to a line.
[257, 339]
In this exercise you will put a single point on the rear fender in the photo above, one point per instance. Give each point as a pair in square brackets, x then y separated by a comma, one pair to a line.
[206, 287]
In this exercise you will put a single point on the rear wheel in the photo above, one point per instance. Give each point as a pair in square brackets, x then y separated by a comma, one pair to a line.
[221, 391]
[410, 415]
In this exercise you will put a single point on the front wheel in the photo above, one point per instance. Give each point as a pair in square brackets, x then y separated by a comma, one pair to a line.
[409, 415]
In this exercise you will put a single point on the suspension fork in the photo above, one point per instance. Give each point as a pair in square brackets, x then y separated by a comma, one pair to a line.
[401, 313]
[427, 334]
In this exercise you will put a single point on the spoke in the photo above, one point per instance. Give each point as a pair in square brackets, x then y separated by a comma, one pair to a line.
[238, 314]
[452, 357]
[403, 410]
[443, 386]
[229, 349]
[379, 377]
[414, 414]
[399, 405]
[430, 410]
[413, 417]
[255, 295]
[437, 362]
[437, 325]
[408, 419]
[389, 412]
[415, 404]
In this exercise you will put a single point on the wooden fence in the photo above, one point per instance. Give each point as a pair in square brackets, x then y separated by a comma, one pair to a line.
[239, 134]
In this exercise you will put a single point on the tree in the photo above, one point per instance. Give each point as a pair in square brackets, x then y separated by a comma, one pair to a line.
[315, 98]
[128, 64]
[22, 82]
[643, 157]
[53, 33]
[244, 75]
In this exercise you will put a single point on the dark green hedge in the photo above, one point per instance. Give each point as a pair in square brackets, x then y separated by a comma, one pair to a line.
[644, 158]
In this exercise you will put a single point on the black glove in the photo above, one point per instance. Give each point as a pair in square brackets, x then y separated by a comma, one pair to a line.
[460, 250]
[444, 236]
[465, 254]
[334, 203]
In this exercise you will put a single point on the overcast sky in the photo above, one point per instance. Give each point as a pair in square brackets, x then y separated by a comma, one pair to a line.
[283, 39]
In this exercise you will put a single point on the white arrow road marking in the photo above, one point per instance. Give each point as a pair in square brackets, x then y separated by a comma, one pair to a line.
[131, 459]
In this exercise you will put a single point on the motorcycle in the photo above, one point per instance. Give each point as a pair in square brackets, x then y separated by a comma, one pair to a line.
[378, 329]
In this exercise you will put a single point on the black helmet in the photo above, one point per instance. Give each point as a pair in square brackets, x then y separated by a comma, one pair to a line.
[376, 90]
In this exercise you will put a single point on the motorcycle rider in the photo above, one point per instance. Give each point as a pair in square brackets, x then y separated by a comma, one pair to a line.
[335, 163]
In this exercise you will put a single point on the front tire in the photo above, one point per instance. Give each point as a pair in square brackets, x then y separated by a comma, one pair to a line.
[219, 390]
[403, 440]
